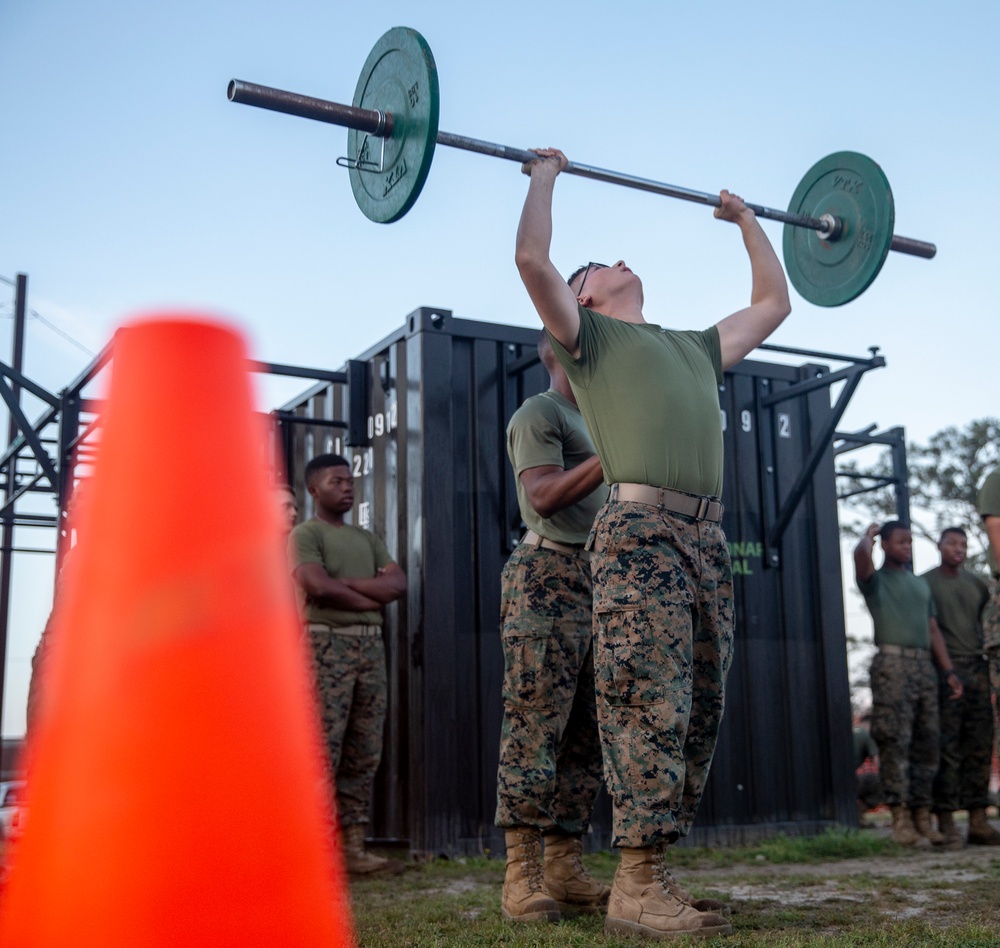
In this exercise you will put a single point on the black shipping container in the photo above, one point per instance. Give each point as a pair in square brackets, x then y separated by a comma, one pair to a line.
[427, 409]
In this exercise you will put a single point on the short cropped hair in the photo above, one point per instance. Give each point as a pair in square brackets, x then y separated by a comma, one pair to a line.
[889, 528]
[575, 274]
[959, 530]
[321, 462]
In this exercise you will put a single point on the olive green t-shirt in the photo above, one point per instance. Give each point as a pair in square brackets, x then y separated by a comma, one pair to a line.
[650, 397]
[548, 429]
[901, 605]
[345, 552]
[959, 600]
[988, 504]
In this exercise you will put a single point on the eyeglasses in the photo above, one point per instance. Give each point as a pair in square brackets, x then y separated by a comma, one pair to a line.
[586, 272]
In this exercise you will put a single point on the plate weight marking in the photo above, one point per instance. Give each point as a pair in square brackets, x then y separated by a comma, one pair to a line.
[851, 188]
[399, 77]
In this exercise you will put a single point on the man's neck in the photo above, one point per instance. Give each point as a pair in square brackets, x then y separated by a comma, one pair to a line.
[327, 516]
[625, 312]
[893, 564]
[625, 307]
[949, 570]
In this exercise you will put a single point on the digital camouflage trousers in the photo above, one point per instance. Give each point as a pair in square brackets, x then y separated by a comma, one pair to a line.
[905, 727]
[550, 752]
[353, 696]
[991, 619]
[966, 739]
[663, 619]
[991, 635]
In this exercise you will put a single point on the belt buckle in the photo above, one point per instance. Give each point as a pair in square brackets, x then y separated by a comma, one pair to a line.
[703, 505]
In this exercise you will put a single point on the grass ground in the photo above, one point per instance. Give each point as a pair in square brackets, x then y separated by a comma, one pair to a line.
[853, 888]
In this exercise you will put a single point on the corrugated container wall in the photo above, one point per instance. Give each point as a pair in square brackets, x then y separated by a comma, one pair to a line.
[434, 482]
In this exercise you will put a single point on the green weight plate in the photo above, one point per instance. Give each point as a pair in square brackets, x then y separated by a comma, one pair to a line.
[400, 77]
[852, 188]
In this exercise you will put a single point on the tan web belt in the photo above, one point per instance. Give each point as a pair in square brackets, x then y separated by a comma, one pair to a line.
[675, 501]
[904, 651]
[533, 539]
[345, 629]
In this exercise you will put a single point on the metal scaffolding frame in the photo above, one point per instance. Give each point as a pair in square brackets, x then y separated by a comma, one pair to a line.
[895, 440]
[43, 457]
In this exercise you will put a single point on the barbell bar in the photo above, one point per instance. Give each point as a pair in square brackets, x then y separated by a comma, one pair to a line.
[838, 226]
[382, 124]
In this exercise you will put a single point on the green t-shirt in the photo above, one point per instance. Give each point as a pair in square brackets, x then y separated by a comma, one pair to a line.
[988, 504]
[650, 397]
[959, 600]
[548, 429]
[901, 605]
[345, 552]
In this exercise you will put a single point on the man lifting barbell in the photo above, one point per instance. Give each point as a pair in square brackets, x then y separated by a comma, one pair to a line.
[663, 603]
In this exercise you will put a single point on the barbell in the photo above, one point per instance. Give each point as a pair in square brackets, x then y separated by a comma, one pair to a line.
[838, 226]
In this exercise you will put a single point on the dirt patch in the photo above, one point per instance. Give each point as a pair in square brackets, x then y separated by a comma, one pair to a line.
[931, 885]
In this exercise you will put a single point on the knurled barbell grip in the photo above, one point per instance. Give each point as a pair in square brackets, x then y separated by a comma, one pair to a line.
[610, 177]
[381, 123]
[917, 248]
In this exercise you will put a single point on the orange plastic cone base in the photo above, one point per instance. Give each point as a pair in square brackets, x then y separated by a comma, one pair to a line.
[175, 793]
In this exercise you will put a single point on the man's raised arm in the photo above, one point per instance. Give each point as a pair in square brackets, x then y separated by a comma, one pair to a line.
[552, 298]
[743, 331]
[864, 565]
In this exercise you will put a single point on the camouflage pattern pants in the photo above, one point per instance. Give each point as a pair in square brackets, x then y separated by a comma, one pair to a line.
[991, 635]
[353, 696]
[905, 726]
[963, 776]
[663, 619]
[550, 752]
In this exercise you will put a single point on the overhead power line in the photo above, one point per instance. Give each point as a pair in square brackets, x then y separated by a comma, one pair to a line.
[45, 322]
[62, 333]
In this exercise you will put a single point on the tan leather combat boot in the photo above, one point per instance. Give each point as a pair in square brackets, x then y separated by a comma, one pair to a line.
[524, 896]
[641, 903]
[359, 861]
[980, 831]
[948, 829]
[903, 831]
[922, 824]
[567, 880]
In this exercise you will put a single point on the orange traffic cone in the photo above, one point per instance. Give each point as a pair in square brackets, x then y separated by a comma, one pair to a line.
[175, 793]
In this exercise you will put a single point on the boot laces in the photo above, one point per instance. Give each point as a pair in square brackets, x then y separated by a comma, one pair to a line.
[576, 862]
[574, 857]
[662, 875]
[531, 861]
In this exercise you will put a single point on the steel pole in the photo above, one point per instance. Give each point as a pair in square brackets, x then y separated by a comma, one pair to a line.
[9, 487]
